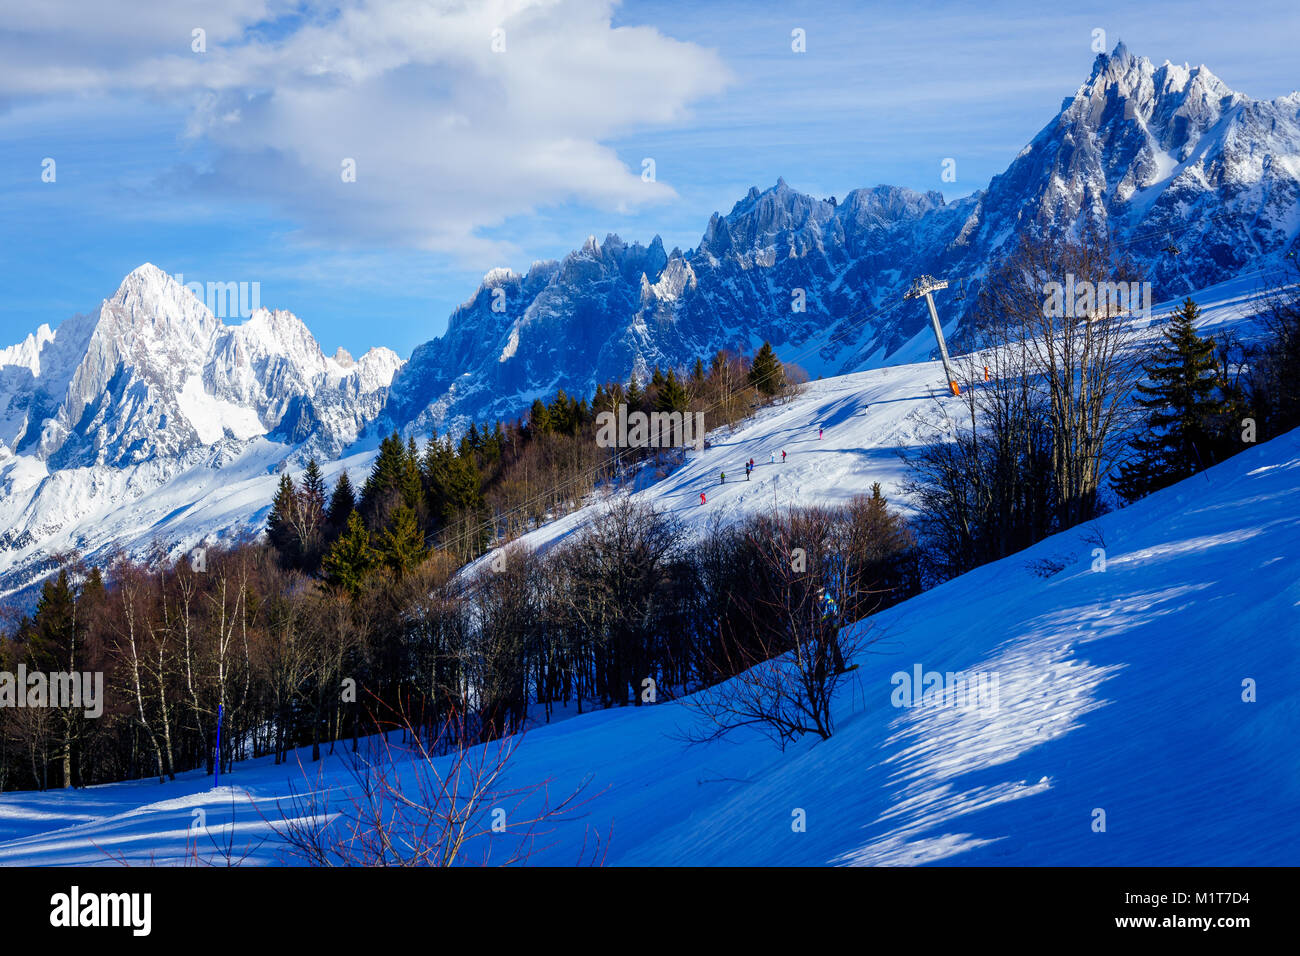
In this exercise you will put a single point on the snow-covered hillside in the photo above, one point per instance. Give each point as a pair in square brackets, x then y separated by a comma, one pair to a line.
[1121, 689]
[864, 420]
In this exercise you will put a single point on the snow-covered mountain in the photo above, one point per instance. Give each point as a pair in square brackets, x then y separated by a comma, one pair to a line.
[1160, 155]
[153, 374]
[149, 418]
[116, 403]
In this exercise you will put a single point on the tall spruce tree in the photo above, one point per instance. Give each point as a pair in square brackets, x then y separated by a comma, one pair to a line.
[1183, 406]
[697, 377]
[311, 516]
[386, 483]
[634, 396]
[282, 522]
[350, 558]
[539, 418]
[401, 545]
[672, 396]
[342, 502]
[57, 647]
[766, 373]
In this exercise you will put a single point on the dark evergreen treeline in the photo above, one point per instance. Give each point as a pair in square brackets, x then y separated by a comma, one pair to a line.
[625, 608]
[496, 483]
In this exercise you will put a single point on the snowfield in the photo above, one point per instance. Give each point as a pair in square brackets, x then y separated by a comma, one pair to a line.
[1154, 687]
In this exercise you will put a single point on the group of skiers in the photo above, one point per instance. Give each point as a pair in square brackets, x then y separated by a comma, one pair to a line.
[749, 469]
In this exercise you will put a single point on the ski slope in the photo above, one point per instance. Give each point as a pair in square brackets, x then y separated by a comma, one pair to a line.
[101, 511]
[864, 420]
[1120, 689]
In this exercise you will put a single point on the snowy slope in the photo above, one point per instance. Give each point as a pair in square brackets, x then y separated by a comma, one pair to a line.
[867, 417]
[1119, 689]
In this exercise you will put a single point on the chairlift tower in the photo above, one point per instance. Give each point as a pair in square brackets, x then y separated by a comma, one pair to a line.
[923, 286]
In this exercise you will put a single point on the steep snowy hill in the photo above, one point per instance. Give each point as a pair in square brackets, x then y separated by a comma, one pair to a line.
[1158, 687]
[1163, 157]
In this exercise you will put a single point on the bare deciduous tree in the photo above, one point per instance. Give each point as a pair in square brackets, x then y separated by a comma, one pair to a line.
[439, 800]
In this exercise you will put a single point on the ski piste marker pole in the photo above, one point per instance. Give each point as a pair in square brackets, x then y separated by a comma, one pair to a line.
[216, 777]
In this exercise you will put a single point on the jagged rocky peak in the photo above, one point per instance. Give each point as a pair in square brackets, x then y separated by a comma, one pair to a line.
[152, 303]
[756, 219]
[1171, 100]
[343, 358]
[280, 332]
[889, 204]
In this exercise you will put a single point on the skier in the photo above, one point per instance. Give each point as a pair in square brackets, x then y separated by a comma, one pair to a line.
[771, 459]
[702, 498]
[747, 471]
[819, 432]
[783, 456]
[724, 478]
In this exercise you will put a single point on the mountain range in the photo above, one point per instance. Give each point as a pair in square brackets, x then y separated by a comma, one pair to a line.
[115, 411]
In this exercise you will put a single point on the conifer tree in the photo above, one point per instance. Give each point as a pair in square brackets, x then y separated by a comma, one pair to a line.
[342, 502]
[672, 395]
[766, 373]
[282, 522]
[539, 418]
[1183, 404]
[411, 487]
[697, 377]
[350, 558]
[401, 545]
[384, 485]
[57, 647]
[634, 396]
[310, 517]
[313, 483]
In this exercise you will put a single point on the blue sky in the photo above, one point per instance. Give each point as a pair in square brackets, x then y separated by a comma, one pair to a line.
[224, 164]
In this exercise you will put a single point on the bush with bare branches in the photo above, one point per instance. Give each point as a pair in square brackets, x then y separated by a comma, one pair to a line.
[435, 799]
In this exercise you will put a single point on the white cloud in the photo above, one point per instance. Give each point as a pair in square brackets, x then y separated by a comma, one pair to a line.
[448, 136]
